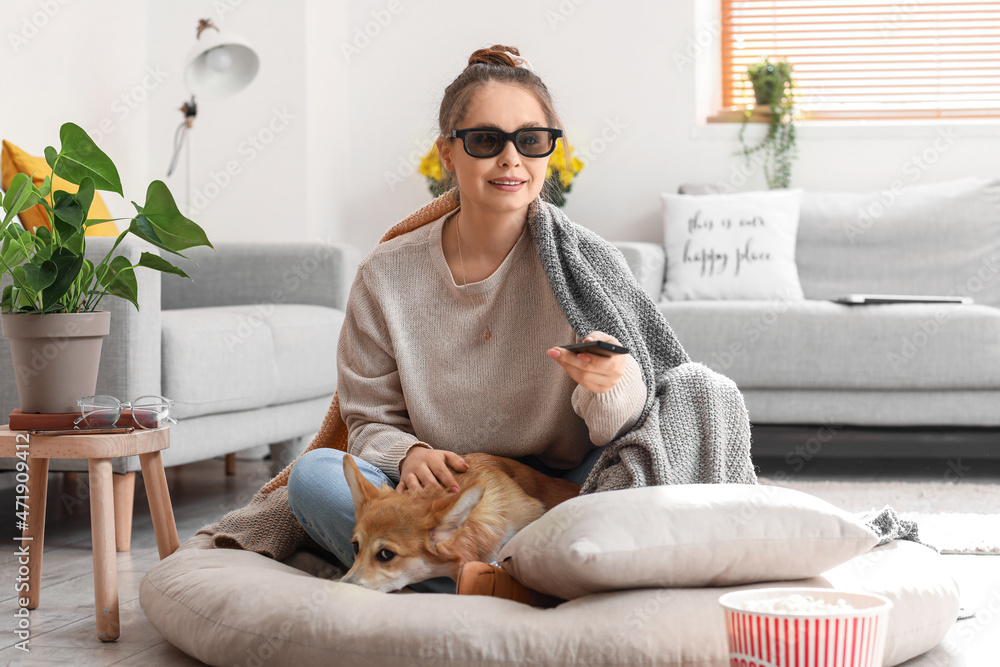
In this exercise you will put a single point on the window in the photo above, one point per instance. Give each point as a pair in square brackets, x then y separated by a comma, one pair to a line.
[868, 59]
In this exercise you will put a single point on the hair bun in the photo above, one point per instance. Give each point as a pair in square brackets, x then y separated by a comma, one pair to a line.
[497, 55]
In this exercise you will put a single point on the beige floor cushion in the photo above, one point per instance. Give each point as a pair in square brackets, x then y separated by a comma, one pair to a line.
[229, 607]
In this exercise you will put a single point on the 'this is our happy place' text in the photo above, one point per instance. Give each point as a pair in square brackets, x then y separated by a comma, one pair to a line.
[714, 262]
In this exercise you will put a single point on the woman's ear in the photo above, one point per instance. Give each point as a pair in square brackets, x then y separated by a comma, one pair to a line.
[444, 150]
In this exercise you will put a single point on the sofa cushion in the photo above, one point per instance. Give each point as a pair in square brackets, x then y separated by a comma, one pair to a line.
[682, 535]
[937, 238]
[823, 345]
[731, 246]
[242, 357]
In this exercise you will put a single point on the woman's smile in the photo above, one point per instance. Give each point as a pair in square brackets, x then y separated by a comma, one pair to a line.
[507, 184]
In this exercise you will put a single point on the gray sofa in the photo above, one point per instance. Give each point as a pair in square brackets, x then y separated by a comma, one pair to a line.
[815, 362]
[247, 351]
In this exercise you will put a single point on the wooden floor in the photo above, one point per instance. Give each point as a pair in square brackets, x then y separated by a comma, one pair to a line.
[63, 630]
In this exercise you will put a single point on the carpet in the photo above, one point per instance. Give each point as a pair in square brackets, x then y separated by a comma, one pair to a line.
[955, 517]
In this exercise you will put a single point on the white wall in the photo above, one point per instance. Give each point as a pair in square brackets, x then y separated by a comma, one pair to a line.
[84, 63]
[245, 149]
[362, 81]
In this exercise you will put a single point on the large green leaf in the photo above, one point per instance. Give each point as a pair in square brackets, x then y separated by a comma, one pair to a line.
[7, 299]
[20, 196]
[41, 275]
[68, 213]
[85, 194]
[18, 245]
[68, 266]
[86, 274]
[151, 261]
[20, 280]
[161, 223]
[43, 241]
[51, 155]
[80, 157]
[118, 278]
[75, 241]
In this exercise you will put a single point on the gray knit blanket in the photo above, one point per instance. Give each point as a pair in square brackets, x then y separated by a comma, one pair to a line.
[889, 526]
[694, 428]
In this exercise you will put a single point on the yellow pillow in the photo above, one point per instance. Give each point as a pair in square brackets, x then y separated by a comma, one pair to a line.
[14, 161]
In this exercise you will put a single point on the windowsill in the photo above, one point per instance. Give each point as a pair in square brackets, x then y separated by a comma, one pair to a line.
[725, 124]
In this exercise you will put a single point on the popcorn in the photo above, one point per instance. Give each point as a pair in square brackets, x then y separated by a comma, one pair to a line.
[797, 604]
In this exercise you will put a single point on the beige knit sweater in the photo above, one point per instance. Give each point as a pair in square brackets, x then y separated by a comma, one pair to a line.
[418, 353]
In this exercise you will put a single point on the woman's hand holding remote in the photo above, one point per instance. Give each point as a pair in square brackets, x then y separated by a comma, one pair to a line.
[596, 373]
[423, 466]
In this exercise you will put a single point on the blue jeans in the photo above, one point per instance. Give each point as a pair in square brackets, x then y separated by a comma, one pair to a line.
[321, 500]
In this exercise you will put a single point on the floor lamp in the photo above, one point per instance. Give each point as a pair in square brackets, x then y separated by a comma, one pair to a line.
[218, 66]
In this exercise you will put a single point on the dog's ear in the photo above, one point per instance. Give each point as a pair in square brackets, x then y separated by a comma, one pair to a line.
[452, 518]
[362, 490]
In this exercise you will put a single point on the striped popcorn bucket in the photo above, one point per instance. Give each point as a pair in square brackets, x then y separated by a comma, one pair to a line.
[848, 638]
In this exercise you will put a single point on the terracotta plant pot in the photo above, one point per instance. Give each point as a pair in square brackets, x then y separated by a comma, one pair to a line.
[56, 357]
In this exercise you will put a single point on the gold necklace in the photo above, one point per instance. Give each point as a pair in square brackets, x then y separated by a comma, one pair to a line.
[465, 281]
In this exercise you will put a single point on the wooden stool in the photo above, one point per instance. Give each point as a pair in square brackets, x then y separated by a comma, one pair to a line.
[98, 449]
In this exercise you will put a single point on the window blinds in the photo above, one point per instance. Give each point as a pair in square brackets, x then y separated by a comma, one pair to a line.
[869, 59]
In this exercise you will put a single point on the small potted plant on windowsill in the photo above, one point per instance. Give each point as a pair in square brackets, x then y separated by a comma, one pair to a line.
[49, 306]
[773, 88]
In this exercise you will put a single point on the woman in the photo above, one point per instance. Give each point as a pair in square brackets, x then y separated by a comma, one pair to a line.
[441, 352]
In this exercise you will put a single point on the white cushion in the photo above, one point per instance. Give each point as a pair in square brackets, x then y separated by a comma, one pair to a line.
[732, 246]
[681, 536]
[227, 607]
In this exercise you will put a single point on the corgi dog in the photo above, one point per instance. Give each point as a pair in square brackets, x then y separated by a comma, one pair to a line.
[402, 538]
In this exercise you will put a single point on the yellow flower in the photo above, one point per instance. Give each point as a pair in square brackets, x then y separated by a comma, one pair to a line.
[431, 166]
[563, 163]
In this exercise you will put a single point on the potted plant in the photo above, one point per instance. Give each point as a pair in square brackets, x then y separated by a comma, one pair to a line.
[48, 306]
[773, 87]
[562, 168]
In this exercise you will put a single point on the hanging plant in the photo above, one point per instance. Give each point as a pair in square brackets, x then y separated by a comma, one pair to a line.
[773, 87]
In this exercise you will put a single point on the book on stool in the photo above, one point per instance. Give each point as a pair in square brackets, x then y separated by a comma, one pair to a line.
[58, 421]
